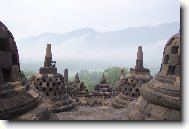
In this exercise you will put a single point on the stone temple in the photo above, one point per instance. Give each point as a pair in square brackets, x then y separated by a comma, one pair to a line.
[131, 83]
[160, 97]
[51, 84]
[49, 95]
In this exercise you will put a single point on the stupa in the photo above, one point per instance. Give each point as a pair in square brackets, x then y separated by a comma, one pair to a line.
[134, 79]
[103, 86]
[160, 97]
[51, 84]
[17, 96]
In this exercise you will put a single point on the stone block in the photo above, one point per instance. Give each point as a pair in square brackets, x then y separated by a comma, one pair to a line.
[141, 102]
[3, 32]
[47, 70]
[15, 59]
[178, 70]
[136, 115]
[177, 82]
[164, 68]
[172, 115]
[15, 72]
[174, 59]
[165, 59]
[12, 45]
[167, 50]
[158, 111]
[5, 59]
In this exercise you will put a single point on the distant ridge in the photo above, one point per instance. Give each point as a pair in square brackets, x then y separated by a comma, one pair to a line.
[131, 35]
[88, 49]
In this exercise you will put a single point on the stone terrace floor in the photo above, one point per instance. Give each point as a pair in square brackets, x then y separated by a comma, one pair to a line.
[93, 113]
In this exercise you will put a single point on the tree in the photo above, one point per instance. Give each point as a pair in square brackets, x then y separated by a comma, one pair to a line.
[28, 73]
[112, 74]
[90, 78]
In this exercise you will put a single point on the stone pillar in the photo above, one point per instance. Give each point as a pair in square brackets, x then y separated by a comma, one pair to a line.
[139, 61]
[48, 56]
[66, 75]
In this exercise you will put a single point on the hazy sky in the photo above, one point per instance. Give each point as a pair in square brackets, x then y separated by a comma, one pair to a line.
[26, 18]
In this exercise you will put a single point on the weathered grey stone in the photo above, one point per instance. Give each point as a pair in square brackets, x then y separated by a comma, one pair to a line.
[12, 45]
[158, 111]
[47, 70]
[162, 94]
[167, 50]
[172, 115]
[174, 59]
[48, 56]
[15, 71]
[178, 70]
[141, 102]
[5, 59]
[15, 100]
[66, 75]
[133, 81]
[165, 59]
[164, 68]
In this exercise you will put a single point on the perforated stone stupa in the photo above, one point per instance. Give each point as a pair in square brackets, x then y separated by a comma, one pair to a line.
[51, 84]
[160, 97]
[132, 82]
[76, 88]
[103, 86]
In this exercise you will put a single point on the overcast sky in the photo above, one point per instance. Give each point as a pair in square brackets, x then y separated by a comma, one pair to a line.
[26, 18]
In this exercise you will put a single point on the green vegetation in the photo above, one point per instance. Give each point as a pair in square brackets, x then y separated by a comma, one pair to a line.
[28, 73]
[112, 74]
[90, 79]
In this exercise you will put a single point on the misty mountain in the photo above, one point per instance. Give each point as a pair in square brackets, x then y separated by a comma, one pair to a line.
[128, 36]
[89, 49]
